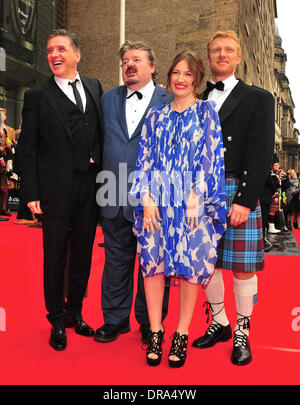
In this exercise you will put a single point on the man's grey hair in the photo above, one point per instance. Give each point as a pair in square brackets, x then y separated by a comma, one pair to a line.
[60, 32]
[128, 45]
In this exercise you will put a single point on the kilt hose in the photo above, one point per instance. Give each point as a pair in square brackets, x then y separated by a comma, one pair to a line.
[242, 247]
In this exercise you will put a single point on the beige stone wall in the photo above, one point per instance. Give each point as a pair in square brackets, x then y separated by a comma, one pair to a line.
[256, 31]
[167, 25]
[96, 23]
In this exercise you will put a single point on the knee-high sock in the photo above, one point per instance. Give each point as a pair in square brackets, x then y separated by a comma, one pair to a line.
[244, 293]
[215, 296]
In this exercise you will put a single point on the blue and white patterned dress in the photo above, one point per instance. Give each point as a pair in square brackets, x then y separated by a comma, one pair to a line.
[178, 152]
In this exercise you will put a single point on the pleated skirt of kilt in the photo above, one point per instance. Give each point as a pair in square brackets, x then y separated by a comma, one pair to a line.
[274, 206]
[241, 248]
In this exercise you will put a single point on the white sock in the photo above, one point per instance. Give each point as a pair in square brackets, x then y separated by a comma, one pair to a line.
[245, 293]
[215, 296]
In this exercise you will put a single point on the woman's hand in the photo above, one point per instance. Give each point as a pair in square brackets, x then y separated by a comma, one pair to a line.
[193, 210]
[35, 207]
[151, 214]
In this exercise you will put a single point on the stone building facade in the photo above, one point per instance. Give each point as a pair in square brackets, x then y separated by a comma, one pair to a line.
[287, 146]
[168, 26]
[24, 26]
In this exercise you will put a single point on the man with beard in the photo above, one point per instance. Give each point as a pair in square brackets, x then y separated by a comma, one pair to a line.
[125, 108]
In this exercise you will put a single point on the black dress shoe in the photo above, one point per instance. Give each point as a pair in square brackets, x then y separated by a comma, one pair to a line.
[215, 333]
[4, 219]
[58, 339]
[81, 328]
[241, 353]
[108, 332]
[146, 334]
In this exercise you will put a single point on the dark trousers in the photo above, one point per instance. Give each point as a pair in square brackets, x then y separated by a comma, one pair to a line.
[118, 274]
[265, 208]
[78, 227]
[23, 211]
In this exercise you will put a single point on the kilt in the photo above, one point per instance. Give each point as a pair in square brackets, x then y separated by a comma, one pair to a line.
[274, 206]
[242, 247]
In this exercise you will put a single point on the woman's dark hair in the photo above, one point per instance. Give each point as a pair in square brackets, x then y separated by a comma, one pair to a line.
[195, 65]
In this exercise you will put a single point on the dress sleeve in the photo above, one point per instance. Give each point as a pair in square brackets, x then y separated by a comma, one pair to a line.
[142, 177]
[210, 172]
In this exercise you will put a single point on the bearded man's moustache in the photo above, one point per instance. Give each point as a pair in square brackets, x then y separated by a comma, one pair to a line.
[131, 70]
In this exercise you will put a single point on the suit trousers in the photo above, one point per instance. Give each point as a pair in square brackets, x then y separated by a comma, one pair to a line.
[118, 275]
[75, 229]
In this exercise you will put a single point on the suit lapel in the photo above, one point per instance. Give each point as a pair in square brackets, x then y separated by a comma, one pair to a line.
[232, 101]
[120, 105]
[96, 99]
[54, 99]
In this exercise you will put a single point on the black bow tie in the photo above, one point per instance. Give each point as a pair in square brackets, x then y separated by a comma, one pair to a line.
[139, 95]
[218, 86]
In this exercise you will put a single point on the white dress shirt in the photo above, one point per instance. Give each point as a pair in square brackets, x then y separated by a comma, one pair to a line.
[64, 85]
[220, 96]
[135, 107]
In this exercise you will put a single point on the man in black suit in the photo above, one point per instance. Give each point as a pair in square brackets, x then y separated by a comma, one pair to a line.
[62, 136]
[247, 121]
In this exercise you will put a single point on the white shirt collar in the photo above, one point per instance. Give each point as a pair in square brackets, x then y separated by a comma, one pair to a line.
[146, 91]
[65, 82]
[229, 82]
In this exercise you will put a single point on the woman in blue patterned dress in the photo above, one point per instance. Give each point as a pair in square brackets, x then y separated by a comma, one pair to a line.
[179, 197]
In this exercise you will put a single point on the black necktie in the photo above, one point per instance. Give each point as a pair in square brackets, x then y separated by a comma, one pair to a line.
[218, 86]
[77, 95]
[139, 95]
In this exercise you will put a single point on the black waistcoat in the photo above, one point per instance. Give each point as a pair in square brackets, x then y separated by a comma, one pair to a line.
[85, 131]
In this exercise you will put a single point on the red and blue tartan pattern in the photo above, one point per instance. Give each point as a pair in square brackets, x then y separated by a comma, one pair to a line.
[241, 248]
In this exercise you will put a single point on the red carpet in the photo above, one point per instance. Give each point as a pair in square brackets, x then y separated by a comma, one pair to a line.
[27, 359]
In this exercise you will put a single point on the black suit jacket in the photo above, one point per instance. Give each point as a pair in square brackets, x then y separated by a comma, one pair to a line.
[47, 150]
[248, 128]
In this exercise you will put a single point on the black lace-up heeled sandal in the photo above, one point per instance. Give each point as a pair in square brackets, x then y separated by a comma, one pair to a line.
[155, 347]
[178, 349]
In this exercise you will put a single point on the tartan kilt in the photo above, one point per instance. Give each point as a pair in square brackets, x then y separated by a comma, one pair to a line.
[274, 206]
[242, 247]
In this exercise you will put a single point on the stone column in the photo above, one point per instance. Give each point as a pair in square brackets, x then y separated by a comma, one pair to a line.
[19, 104]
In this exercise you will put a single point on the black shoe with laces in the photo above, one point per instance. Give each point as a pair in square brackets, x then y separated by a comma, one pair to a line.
[214, 333]
[241, 353]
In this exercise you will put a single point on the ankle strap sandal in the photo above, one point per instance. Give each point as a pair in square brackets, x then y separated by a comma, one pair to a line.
[178, 349]
[155, 347]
